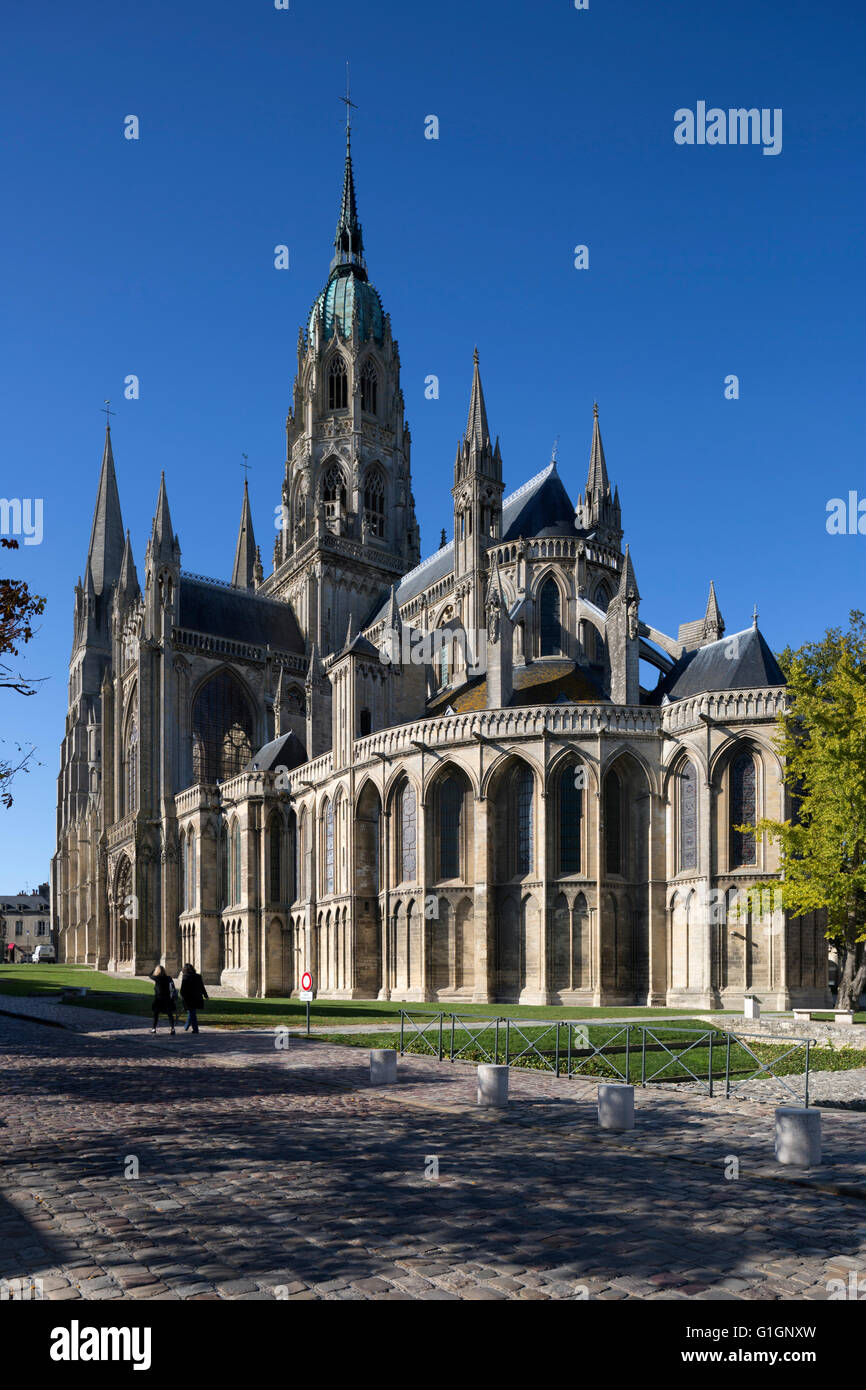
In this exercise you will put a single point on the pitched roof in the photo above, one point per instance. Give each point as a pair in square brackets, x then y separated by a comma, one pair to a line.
[541, 507]
[218, 610]
[741, 661]
[286, 751]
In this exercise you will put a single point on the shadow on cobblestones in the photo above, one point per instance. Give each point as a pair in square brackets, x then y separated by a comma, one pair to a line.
[260, 1177]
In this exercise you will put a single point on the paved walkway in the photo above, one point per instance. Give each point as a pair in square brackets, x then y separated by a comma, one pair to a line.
[270, 1173]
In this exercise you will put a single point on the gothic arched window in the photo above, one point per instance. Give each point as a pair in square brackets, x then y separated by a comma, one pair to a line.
[224, 867]
[450, 810]
[408, 834]
[551, 629]
[374, 502]
[338, 385]
[743, 810]
[131, 769]
[334, 490]
[369, 389]
[570, 819]
[613, 824]
[523, 787]
[328, 845]
[189, 871]
[688, 817]
[602, 598]
[275, 830]
[236, 862]
[222, 730]
[365, 723]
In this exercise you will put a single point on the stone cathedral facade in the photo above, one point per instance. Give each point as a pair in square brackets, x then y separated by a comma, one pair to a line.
[437, 779]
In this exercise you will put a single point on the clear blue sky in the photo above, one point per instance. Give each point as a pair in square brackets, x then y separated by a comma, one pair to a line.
[155, 257]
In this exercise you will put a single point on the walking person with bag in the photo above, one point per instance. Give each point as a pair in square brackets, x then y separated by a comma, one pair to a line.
[164, 997]
[193, 994]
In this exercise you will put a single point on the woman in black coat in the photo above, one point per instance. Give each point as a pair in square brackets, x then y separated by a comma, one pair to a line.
[164, 996]
[193, 994]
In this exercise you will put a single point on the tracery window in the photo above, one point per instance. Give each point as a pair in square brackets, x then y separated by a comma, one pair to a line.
[570, 820]
[131, 769]
[338, 385]
[374, 502]
[334, 490]
[613, 823]
[551, 629]
[222, 730]
[602, 598]
[369, 389]
[450, 810]
[743, 810]
[688, 817]
[408, 834]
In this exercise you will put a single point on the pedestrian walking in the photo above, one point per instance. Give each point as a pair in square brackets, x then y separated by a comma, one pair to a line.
[164, 997]
[193, 994]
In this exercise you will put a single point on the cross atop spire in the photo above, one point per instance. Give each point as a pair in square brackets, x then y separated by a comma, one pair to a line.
[350, 105]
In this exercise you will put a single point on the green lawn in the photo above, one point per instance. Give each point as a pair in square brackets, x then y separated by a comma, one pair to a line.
[657, 1065]
[135, 997]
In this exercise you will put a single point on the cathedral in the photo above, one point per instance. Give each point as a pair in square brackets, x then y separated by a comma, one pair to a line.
[433, 779]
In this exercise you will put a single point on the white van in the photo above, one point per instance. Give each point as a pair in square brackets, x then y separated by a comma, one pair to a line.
[44, 953]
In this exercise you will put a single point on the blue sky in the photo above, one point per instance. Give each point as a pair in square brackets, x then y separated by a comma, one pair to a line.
[155, 258]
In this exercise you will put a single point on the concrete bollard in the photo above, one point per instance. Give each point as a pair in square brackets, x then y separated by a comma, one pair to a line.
[383, 1066]
[616, 1106]
[751, 1007]
[492, 1085]
[798, 1136]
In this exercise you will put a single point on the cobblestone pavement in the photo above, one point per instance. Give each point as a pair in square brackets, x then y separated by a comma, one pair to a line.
[296, 1179]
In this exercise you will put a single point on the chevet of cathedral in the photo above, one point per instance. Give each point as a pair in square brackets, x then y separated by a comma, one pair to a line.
[420, 779]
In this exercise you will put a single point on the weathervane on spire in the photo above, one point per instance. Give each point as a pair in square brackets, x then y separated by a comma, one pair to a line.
[106, 412]
[349, 104]
[246, 466]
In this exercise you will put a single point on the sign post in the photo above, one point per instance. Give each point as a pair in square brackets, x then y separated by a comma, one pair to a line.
[307, 994]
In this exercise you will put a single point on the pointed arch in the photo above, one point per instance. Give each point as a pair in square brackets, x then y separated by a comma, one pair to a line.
[338, 383]
[223, 728]
[375, 492]
[550, 618]
[370, 387]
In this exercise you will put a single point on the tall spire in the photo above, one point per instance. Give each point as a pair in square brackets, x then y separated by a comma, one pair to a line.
[245, 550]
[714, 623]
[164, 540]
[597, 477]
[127, 584]
[105, 552]
[349, 242]
[477, 432]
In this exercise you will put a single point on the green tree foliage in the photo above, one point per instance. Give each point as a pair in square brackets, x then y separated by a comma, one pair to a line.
[822, 738]
[18, 608]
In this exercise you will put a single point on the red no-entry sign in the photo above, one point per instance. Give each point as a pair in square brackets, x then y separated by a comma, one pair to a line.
[306, 980]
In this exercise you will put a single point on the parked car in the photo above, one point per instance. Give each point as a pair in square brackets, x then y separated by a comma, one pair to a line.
[44, 953]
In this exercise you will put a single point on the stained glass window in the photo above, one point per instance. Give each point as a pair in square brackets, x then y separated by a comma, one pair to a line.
[222, 730]
[570, 816]
[338, 385]
[551, 631]
[613, 824]
[743, 810]
[132, 768]
[450, 808]
[224, 867]
[689, 817]
[408, 834]
[523, 820]
[329, 847]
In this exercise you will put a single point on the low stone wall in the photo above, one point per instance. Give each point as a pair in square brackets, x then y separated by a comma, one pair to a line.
[840, 1034]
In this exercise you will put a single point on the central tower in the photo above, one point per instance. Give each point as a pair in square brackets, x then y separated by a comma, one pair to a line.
[348, 529]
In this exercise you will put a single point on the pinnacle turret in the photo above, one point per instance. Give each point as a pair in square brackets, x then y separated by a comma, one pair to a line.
[243, 574]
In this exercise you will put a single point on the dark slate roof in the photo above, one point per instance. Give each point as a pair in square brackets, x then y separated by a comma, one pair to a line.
[220, 611]
[549, 681]
[286, 751]
[739, 661]
[541, 507]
